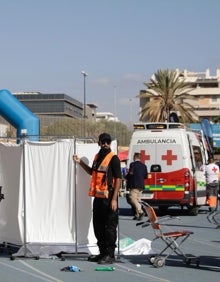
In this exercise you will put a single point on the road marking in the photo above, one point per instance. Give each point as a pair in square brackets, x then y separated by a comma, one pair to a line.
[141, 274]
[49, 277]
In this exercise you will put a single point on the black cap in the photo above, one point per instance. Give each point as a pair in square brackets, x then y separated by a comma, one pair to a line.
[105, 136]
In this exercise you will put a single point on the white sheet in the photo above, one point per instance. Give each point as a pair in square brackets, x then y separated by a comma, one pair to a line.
[46, 195]
[10, 166]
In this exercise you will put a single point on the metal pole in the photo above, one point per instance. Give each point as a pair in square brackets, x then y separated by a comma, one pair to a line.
[115, 128]
[84, 102]
[24, 198]
[75, 202]
[131, 113]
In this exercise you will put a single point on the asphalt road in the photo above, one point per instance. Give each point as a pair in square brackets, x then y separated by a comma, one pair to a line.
[205, 243]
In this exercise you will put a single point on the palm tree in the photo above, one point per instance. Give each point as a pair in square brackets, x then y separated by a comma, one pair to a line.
[167, 92]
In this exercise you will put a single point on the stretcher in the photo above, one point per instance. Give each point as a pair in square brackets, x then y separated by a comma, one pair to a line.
[172, 239]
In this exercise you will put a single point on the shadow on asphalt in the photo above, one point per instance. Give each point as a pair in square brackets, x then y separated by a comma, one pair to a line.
[211, 263]
[207, 263]
[172, 211]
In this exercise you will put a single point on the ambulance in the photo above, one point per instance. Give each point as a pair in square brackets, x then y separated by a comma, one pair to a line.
[175, 157]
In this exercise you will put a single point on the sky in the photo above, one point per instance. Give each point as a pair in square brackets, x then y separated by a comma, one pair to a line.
[46, 44]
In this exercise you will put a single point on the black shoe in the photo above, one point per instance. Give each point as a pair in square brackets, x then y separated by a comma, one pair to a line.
[135, 217]
[106, 260]
[95, 258]
[141, 215]
[212, 209]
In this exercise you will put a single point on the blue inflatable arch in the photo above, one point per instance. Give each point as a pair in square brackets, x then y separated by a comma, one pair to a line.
[19, 116]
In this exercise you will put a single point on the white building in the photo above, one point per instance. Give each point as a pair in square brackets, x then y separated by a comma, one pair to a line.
[106, 116]
[205, 90]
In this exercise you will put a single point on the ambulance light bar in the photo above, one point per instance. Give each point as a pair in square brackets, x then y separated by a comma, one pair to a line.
[139, 126]
[176, 125]
[157, 125]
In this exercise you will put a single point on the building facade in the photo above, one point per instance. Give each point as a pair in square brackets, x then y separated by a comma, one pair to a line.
[51, 104]
[205, 93]
[106, 116]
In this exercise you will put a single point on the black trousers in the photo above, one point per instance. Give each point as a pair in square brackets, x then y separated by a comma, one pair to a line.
[105, 222]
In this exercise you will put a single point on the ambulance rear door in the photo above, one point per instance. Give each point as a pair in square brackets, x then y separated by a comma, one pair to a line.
[163, 152]
[166, 166]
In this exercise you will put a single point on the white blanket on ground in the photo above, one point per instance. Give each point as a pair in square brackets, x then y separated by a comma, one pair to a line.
[127, 247]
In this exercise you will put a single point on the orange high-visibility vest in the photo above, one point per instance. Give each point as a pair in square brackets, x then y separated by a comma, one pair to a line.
[99, 182]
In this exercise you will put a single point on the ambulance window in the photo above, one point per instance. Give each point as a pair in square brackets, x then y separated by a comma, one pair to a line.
[197, 157]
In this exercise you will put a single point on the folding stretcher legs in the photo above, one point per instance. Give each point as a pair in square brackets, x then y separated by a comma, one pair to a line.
[173, 247]
[169, 238]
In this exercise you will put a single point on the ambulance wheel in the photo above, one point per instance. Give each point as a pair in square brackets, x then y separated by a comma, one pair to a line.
[12, 257]
[163, 209]
[193, 210]
[159, 262]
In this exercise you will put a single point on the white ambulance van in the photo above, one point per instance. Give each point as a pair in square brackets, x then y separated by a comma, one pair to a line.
[175, 157]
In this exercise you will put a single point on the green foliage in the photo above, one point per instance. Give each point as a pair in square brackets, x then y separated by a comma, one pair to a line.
[68, 127]
[167, 92]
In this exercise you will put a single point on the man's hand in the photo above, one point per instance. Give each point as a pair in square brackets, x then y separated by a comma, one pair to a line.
[76, 159]
[114, 205]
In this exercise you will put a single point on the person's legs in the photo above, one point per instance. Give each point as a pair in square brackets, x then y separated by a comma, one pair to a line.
[111, 232]
[105, 222]
[212, 196]
[133, 210]
[99, 229]
[135, 198]
[111, 223]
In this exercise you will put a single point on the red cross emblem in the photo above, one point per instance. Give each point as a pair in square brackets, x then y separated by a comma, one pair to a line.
[169, 157]
[144, 157]
[214, 169]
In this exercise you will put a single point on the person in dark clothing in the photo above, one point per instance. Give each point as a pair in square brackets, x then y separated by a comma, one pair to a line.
[104, 187]
[137, 173]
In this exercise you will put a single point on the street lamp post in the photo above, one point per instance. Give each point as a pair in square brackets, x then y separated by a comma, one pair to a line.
[84, 101]
[131, 112]
[115, 112]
